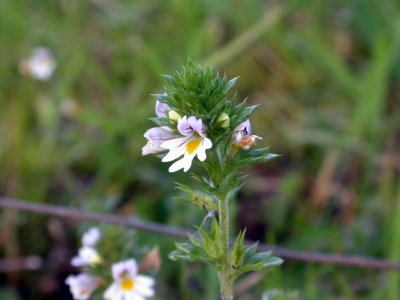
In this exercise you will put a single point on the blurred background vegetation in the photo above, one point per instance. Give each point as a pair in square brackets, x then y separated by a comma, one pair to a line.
[325, 76]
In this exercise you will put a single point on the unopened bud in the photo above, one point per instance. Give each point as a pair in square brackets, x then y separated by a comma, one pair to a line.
[224, 120]
[173, 115]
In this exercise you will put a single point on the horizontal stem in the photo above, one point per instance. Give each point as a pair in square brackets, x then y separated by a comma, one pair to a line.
[304, 256]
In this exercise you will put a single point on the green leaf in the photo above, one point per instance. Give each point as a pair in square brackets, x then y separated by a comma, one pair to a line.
[247, 157]
[196, 198]
[258, 261]
[195, 241]
[251, 250]
[168, 79]
[209, 244]
[179, 255]
[231, 84]
[214, 230]
[237, 253]
[163, 122]
[184, 247]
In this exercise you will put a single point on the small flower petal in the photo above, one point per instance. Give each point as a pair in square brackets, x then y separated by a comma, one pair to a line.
[86, 256]
[82, 286]
[152, 148]
[113, 292]
[241, 132]
[176, 148]
[127, 267]
[91, 237]
[176, 166]
[161, 108]
[145, 280]
[242, 137]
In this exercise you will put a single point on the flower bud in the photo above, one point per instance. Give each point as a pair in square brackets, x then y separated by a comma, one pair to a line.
[224, 120]
[174, 116]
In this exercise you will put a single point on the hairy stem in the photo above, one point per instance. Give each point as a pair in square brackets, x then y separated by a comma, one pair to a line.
[223, 274]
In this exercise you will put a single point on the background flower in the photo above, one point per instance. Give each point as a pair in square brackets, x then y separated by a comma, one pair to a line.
[128, 285]
[82, 286]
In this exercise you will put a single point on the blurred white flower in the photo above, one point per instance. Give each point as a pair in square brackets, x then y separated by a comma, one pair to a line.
[40, 65]
[128, 285]
[81, 286]
[91, 237]
[86, 256]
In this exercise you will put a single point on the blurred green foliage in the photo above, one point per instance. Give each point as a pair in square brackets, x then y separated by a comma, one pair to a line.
[325, 75]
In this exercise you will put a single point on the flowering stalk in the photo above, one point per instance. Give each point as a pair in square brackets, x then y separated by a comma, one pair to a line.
[196, 119]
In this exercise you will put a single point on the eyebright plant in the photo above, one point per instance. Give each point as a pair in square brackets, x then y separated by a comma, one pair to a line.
[108, 270]
[197, 122]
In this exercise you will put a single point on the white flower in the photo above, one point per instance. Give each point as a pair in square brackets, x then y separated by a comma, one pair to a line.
[128, 285]
[40, 65]
[81, 286]
[86, 256]
[91, 237]
[242, 137]
[193, 143]
[156, 136]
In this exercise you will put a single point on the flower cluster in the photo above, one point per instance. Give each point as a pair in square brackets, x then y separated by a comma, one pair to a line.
[192, 140]
[127, 283]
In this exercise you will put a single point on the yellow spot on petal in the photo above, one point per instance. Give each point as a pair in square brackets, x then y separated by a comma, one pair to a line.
[126, 284]
[192, 145]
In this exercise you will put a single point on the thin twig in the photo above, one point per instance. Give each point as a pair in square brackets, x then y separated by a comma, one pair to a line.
[20, 263]
[305, 256]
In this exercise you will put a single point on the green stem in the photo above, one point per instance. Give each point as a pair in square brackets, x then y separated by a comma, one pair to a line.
[223, 274]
